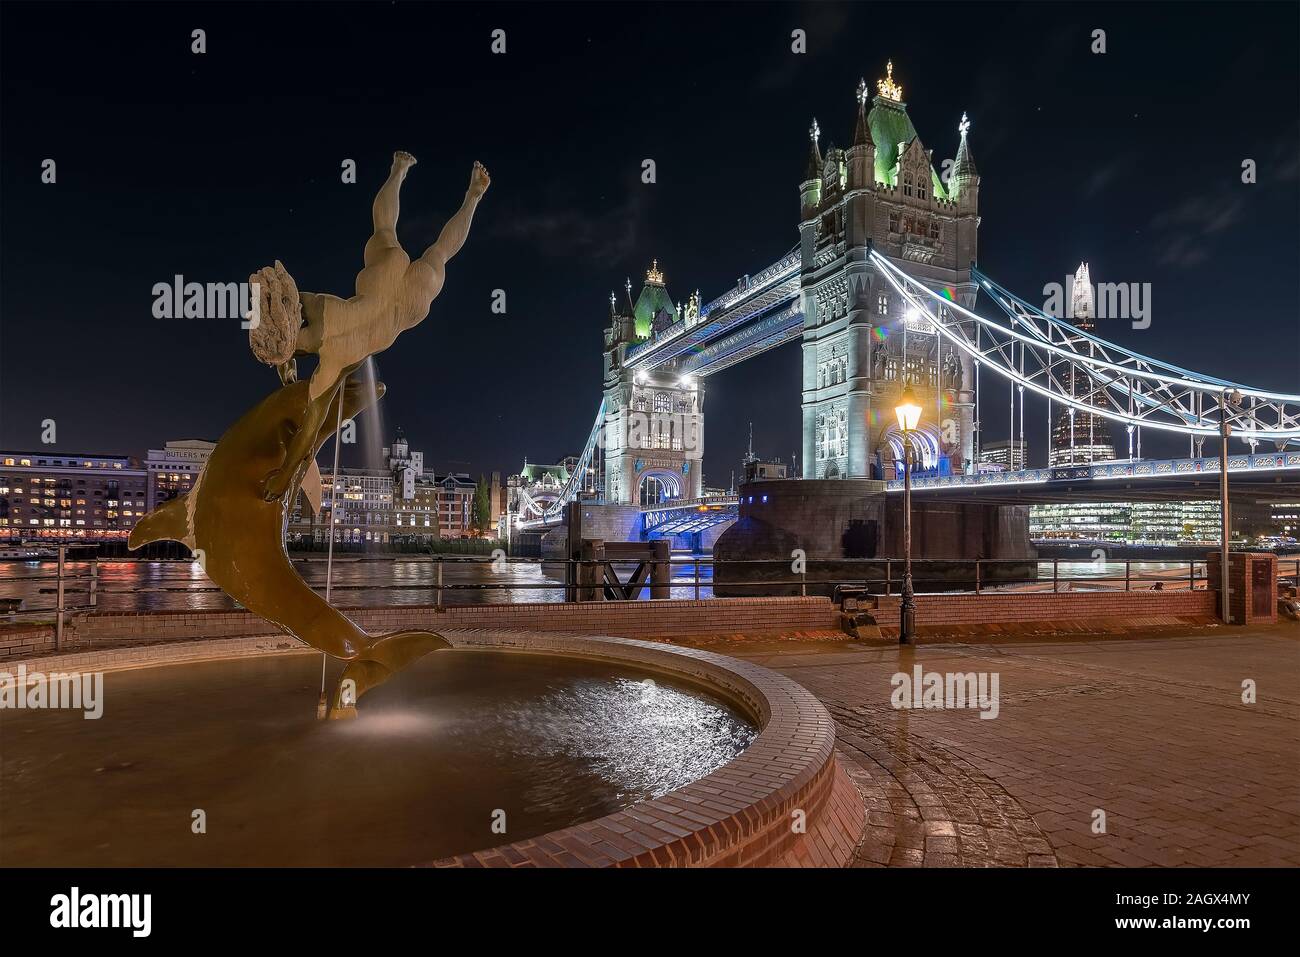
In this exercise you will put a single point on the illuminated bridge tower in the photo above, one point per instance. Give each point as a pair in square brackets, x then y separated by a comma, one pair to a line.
[860, 346]
[654, 420]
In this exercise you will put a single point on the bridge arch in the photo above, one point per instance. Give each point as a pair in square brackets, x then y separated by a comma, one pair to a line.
[927, 445]
[656, 486]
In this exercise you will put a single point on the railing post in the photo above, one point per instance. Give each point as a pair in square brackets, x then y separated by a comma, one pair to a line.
[697, 577]
[887, 578]
[439, 601]
[58, 628]
[1191, 576]
[977, 576]
[1056, 573]
[94, 582]
[1128, 573]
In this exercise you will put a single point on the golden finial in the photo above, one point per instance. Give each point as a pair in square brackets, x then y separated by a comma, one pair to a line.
[653, 275]
[862, 92]
[964, 125]
[887, 87]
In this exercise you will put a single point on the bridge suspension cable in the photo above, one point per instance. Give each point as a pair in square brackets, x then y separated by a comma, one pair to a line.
[573, 487]
[1068, 365]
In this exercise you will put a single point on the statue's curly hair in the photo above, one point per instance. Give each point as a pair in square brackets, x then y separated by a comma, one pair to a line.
[275, 334]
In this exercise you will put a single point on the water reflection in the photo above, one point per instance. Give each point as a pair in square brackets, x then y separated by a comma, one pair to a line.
[412, 580]
[177, 586]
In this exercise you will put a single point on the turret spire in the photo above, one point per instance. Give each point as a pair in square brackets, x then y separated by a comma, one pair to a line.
[964, 172]
[814, 155]
[862, 132]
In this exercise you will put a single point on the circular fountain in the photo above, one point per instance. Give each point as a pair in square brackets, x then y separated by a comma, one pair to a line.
[507, 749]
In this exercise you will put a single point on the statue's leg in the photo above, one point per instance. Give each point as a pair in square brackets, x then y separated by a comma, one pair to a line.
[385, 209]
[453, 235]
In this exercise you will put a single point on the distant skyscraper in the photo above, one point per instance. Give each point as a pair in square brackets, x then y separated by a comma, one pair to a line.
[1080, 437]
[1008, 453]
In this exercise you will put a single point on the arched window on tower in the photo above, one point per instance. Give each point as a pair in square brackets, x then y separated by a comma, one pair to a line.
[663, 402]
[907, 184]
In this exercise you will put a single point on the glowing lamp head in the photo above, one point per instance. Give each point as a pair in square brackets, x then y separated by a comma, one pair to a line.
[640, 377]
[908, 410]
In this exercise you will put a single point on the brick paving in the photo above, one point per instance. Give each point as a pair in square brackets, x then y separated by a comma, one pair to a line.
[1153, 733]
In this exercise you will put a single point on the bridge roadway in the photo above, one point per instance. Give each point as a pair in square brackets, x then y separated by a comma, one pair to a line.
[1273, 476]
[1264, 477]
[1268, 477]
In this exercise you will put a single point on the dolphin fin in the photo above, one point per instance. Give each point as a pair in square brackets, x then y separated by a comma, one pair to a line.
[168, 522]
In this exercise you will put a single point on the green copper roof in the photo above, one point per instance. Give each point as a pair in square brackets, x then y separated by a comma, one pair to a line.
[891, 128]
[534, 473]
[654, 297]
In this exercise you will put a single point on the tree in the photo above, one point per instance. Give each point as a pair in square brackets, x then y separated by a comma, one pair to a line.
[481, 514]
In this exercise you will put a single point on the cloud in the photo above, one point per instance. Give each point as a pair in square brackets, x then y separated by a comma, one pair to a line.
[604, 237]
[1184, 230]
[1101, 177]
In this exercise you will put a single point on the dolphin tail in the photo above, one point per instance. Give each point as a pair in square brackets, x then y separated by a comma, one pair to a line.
[382, 658]
[169, 522]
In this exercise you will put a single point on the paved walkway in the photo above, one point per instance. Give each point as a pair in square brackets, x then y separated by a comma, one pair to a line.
[1153, 733]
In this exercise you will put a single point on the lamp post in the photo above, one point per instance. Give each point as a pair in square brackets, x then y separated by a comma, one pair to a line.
[1226, 398]
[909, 416]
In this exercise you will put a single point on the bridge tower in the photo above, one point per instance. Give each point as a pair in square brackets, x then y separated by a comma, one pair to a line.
[860, 345]
[654, 420]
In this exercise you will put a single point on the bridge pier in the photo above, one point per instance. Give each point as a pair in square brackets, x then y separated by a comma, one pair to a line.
[606, 523]
[832, 525]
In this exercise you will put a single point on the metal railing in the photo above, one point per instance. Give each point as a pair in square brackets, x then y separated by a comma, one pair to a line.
[698, 574]
[63, 577]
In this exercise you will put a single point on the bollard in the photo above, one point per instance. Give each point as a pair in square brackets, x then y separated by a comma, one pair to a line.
[661, 573]
[58, 628]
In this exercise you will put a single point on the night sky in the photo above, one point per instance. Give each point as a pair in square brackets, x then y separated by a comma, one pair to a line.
[214, 165]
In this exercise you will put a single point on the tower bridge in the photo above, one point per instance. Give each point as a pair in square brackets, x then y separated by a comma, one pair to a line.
[881, 292]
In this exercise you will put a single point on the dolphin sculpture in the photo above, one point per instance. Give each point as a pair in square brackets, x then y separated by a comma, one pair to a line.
[239, 538]
[234, 518]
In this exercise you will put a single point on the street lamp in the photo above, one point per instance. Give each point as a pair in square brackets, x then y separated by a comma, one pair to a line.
[908, 411]
[1226, 399]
